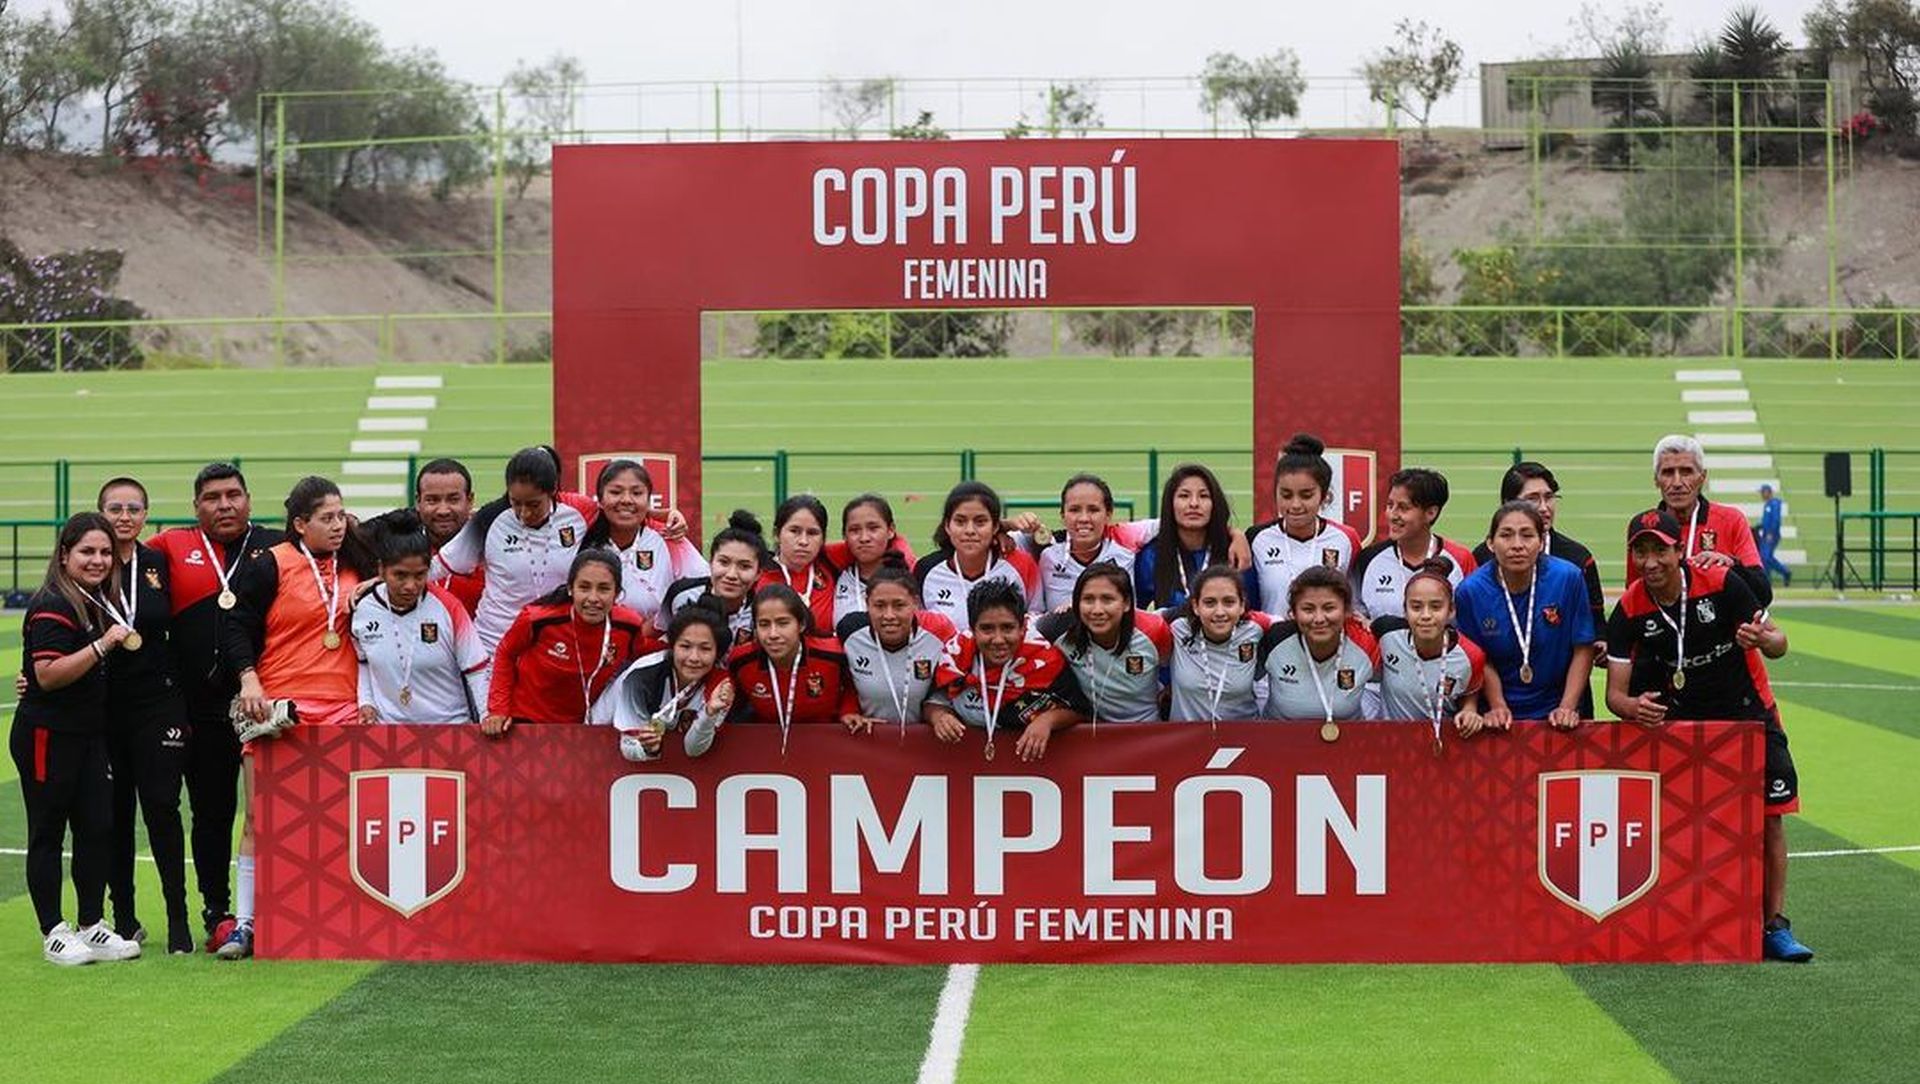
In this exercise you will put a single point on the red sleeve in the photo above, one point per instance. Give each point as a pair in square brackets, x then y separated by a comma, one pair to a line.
[820, 601]
[837, 554]
[1476, 665]
[1156, 629]
[1353, 538]
[849, 695]
[938, 624]
[904, 548]
[588, 508]
[517, 641]
[1743, 549]
[1461, 556]
[955, 661]
[1029, 579]
[1362, 638]
[1263, 620]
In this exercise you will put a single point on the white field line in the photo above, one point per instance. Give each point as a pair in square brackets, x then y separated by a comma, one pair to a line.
[942, 1061]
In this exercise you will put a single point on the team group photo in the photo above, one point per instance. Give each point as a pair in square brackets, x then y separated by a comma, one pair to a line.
[1330, 556]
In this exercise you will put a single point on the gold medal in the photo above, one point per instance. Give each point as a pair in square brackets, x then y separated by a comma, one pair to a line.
[1679, 679]
[228, 600]
[1330, 732]
[331, 641]
[989, 749]
[132, 642]
[1526, 673]
[1436, 746]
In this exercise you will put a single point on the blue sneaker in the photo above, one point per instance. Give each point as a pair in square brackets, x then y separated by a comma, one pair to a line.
[1778, 943]
[239, 943]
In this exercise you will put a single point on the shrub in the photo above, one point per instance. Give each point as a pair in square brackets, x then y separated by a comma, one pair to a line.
[66, 286]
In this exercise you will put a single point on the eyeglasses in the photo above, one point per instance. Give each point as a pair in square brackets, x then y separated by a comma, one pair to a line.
[1542, 498]
[123, 509]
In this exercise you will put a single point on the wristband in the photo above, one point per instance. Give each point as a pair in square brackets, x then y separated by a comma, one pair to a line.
[98, 652]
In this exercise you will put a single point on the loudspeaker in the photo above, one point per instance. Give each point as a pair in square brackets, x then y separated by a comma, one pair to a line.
[1839, 474]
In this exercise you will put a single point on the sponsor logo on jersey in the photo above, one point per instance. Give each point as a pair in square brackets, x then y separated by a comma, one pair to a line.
[196, 557]
[558, 649]
[1599, 838]
[1246, 651]
[1136, 664]
[816, 685]
[1488, 624]
[409, 835]
[643, 560]
[923, 669]
[1392, 659]
[945, 594]
[1351, 497]
[1344, 678]
[1703, 609]
[429, 632]
[760, 689]
[1652, 627]
[566, 536]
[1550, 614]
[1289, 671]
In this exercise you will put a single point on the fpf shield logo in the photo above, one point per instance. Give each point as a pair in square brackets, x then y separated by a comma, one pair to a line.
[1351, 499]
[1599, 838]
[409, 835]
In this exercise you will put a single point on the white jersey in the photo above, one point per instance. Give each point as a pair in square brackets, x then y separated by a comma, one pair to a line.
[422, 666]
[522, 563]
[1379, 576]
[894, 684]
[688, 591]
[1121, 685]
[1213, 682]
[1415, 688]
[647, 690]
[944, 590]
[1278, 558]
[1060, 570]
[650, 566]
[1300, 688]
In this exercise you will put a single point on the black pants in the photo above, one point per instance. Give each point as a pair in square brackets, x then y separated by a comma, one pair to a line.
[147, 747]
[213, 792]
[66, 783]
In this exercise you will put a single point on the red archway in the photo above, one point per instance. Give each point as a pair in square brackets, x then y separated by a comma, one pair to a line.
[1304, 232]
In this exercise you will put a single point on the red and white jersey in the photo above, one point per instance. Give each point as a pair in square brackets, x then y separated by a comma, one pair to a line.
[552, 665]
[650, 566]
[1060, 569]
[1122, 684]
[943, 589]
[813, 583]
[894, 684]
[1278, 557]
[849, 587]
[425, 665]
[1037, 679]
[522, 563]
[1379, 574]
[1412, 687]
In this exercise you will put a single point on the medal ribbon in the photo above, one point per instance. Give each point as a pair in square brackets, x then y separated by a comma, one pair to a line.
[1680, 629]
[1313, 670]
[998, 698]
[606, 648]
[784, 711]
[329, 589]
[1526, 637]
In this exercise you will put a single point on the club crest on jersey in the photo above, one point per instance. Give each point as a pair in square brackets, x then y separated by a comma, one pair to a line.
[429, 632]
[1246, 651]
[153, 577]
[816, 685]
[1352, 495]
[566, 536]
[1136, 664]
[409, 835]
[1330, 557]
[1344, 678]
[643, 560]
[1703, 609]
[1550, 614]
[1447, 686]
[923, 669]
[1599, 838]
[1708, 539]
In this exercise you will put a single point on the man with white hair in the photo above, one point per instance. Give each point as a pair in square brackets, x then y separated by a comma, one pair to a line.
[1714, 535]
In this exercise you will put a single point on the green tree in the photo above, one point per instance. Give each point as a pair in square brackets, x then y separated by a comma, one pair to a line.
[855, 104]
[1259, 91]
[1072, 107]
[543, 96]
[1886, 33]
[1422, 65]
[922, 129]
[109, 39]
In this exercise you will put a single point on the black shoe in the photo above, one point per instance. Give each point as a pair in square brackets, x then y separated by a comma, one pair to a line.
[179, 938]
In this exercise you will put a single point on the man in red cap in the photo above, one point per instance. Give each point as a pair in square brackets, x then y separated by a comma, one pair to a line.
[1684, 643]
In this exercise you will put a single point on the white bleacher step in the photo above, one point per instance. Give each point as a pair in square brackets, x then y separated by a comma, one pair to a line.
[1715, 395]
[1791, 557]
[1722, 417]
[1789, 531]
[397, 383]
[1751, 509]
[1707, 376]
[402, 402]
[350, 490]
[1736, 461]
[1731, 440]
[378, 446]
[393, 425]
[1742, 486]
[374, 466]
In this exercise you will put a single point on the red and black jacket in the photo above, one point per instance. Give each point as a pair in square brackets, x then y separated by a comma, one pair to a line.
[823, 690]
[547, 652]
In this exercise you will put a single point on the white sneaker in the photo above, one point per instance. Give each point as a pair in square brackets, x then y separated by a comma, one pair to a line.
[100, 939]
[65, 948]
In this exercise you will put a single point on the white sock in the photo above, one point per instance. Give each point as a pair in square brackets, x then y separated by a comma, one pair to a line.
[243, 892]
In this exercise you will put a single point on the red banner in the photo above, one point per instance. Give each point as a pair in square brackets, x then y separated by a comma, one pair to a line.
[1252, 842]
